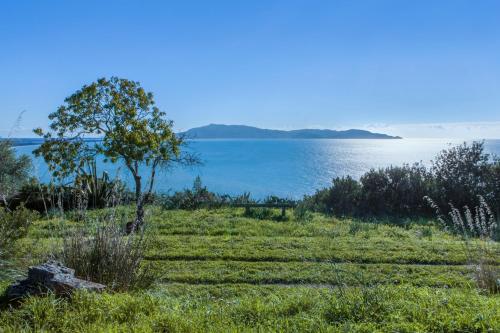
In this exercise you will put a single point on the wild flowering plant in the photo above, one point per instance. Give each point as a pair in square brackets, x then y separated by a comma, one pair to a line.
[478, 228]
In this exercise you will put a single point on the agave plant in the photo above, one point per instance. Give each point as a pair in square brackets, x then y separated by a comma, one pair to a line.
[96, 192]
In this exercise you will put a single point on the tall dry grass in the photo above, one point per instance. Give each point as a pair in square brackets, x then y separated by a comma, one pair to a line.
[478, 228]
[100, 250]
[108, 256]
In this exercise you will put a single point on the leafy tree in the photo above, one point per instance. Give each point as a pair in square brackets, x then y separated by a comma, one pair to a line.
[344, 196]
[461, 174]
[133, 130]
[396, 190]
[14, 171]
[375, 185]
[340, 199]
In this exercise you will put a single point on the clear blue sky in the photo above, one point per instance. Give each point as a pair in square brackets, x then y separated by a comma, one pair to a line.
[278, 64]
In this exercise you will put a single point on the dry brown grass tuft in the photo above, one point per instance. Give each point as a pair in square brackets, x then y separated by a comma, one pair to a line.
[477, 227]
[109, 257]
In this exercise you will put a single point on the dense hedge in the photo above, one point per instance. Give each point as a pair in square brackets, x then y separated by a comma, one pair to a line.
[457, 175]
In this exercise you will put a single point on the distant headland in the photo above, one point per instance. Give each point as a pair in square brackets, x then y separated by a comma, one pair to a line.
[217, 131]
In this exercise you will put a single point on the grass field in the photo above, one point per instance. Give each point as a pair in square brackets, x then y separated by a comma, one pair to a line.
[218, 270]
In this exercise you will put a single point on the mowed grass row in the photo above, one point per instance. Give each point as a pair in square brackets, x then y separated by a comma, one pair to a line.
[287, 249]
[233, 222]
[226, 234]
[245, 308]
[299, 249]
[235, 259]
[217, 272]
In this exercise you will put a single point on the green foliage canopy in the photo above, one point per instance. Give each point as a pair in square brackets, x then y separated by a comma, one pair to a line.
[133, 129]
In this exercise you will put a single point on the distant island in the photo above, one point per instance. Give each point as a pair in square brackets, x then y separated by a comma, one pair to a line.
[216, 131]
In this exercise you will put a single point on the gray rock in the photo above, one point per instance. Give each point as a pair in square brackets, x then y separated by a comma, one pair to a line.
[51, 276]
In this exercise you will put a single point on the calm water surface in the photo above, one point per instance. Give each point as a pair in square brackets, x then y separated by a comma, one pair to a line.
[287, 168]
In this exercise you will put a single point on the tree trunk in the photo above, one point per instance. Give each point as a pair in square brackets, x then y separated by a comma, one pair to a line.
[139, 218]
[139, 215]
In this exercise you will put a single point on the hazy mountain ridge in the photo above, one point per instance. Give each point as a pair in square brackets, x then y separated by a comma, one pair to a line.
[217, 131]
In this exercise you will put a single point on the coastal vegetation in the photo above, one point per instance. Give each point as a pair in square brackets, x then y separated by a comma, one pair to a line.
[14, 171]
[459, 175]
[406, 249]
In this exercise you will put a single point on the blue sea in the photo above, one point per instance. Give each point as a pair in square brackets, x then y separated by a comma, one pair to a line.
[286, 168]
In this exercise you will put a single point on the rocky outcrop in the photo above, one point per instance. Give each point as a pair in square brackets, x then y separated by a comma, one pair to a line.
[51, 276]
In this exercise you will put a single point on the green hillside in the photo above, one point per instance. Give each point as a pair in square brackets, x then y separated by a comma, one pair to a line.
[218, 270]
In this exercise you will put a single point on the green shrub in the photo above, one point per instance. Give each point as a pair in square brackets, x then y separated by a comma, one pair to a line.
[318, 202]
[88, 191]
[302, 213]
[108, 257]
[14, 225]
[395, 191]
[344, 196]
[458, 174]
[14, 171]
[197, 197]
[461, 173]
[262, 213]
